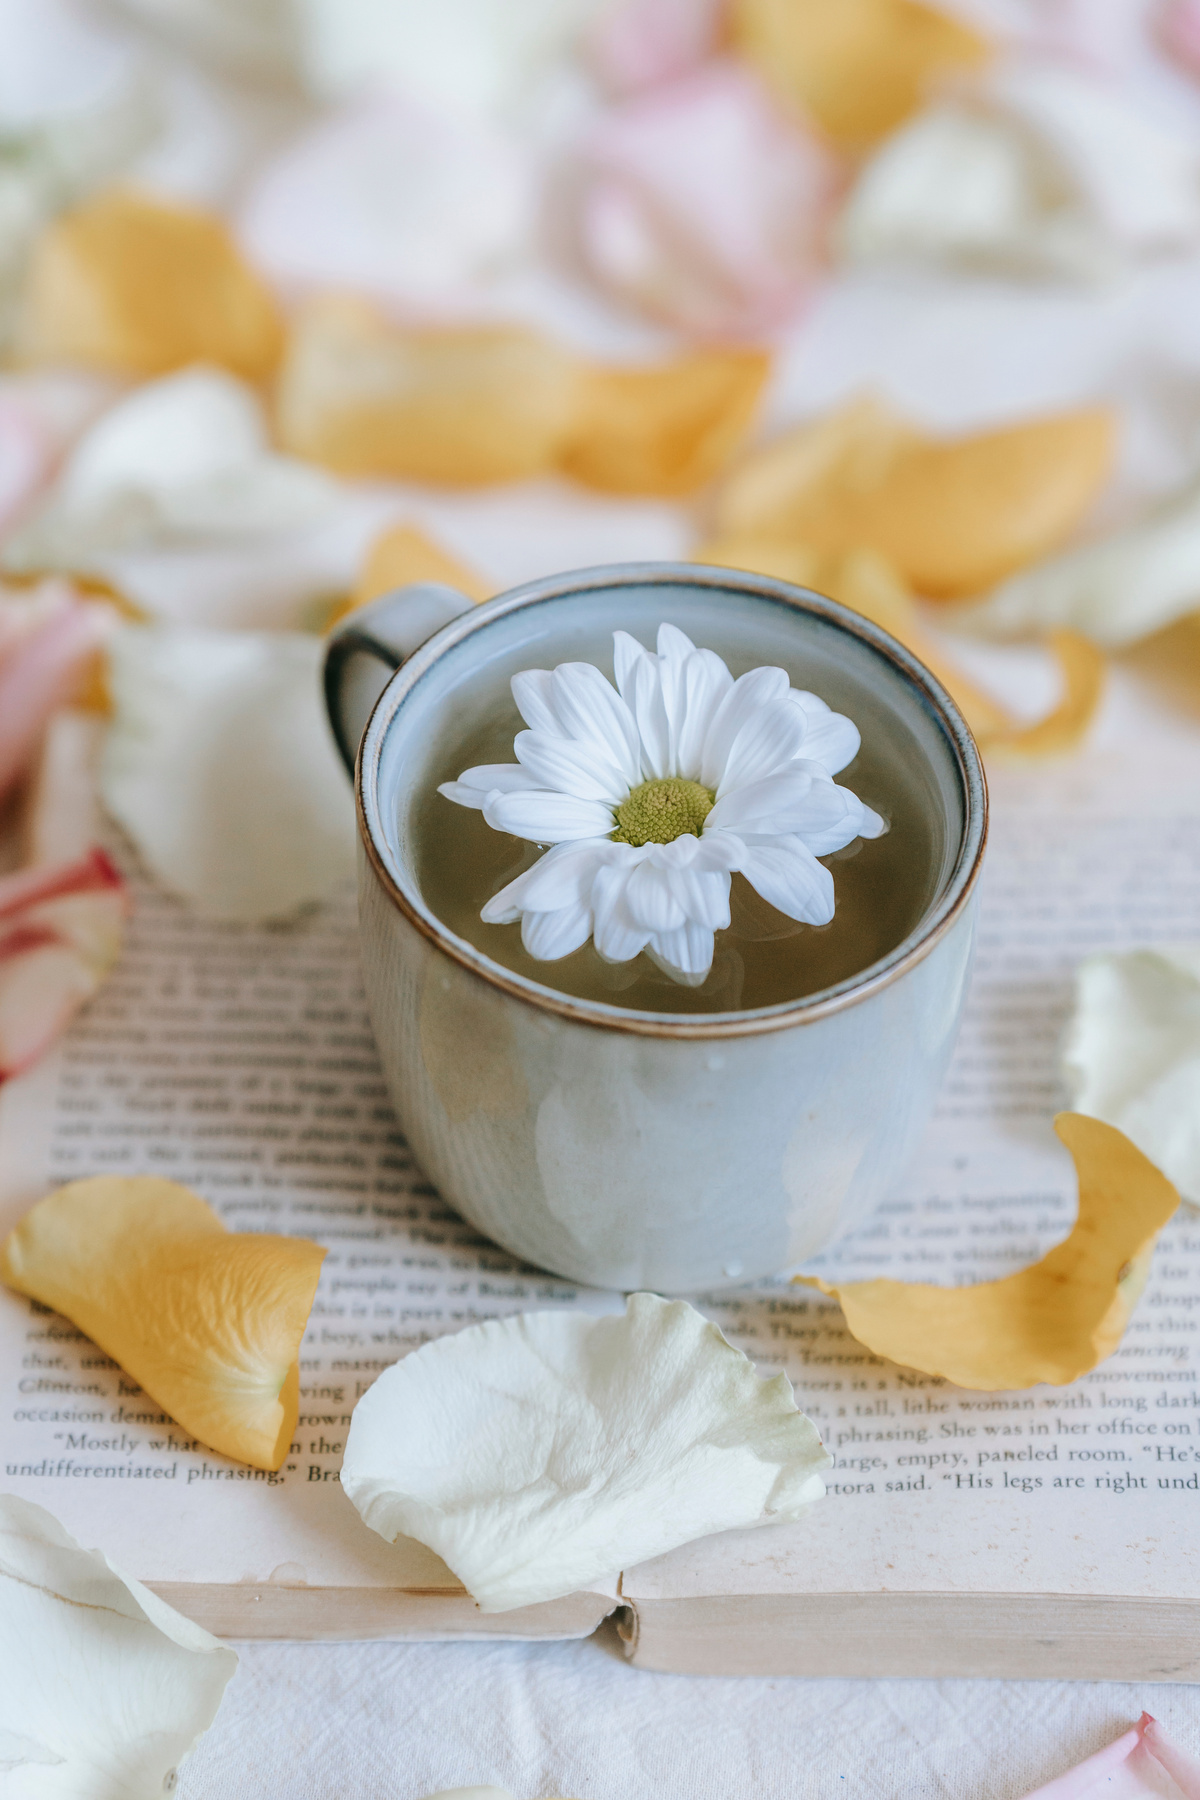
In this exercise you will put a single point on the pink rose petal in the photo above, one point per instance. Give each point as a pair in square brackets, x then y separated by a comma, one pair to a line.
[26, 454]
[1179, 32]
[1144, 1763]
[638, 43]
[45, 644]
[702, 206]
[60, 934]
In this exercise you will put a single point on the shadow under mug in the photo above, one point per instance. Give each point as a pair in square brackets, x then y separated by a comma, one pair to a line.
[629, 1149]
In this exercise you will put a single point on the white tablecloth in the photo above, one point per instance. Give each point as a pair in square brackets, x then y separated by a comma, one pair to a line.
[369, 1721]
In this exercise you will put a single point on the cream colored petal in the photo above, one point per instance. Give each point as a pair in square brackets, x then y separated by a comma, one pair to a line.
[104, 1688]
[541, 1452]
[1115, 590]
[220, 765]
[1043, 169]
[1131, 1055]
[183, 461]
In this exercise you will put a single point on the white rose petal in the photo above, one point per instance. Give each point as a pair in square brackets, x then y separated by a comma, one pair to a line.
[220, 765]
[1043, 168]
[104, 1688]
[183, 461]
[411, 204]
[541, 1452]
[1116, 590]
[1132, 1053]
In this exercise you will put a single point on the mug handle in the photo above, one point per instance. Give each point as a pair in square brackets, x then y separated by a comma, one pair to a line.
[364, 652]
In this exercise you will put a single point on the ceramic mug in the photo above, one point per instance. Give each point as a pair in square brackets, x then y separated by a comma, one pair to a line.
[632, 1149]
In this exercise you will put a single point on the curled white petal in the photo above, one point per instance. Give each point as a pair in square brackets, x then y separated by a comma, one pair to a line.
[474, 785]
[104, 1688]
[594, 713]
[789, 877]
[1115, 590]
[685, 953]
[220, 765]
[570, 768]
[831, 738]
[545, 817]
[1131, 1055]
[741, 702]
[537, 1453]
[561, 878]
[551, 935]
[1042, 168]
[184, 461]
[616, 935]
[770, 739]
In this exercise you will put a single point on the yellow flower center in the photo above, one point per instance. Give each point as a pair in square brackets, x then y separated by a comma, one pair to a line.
[660, 811]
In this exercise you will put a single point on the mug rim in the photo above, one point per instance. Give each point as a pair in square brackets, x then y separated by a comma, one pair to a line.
[938, 921]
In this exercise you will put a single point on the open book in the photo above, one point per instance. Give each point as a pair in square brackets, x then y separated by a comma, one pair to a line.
[1055, 1532]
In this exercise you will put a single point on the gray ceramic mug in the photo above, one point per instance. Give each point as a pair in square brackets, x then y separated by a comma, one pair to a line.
[644, 1150]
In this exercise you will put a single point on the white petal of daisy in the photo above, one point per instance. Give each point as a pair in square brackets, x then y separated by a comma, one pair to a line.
[104, 1688]
[616, 937]
[551, 935]
[651, 899]
[539, 1453]
[685, 954]
[674, 649]
[474, 785]
[570, 768]
[707, 683]
[533, 691]
[748, 693]
[650, 713]
[779, 805]
[545, 817]
[775, 736]
[592, 712]
[627, 652]
[561, 878]
[789, 877]
[832, 738]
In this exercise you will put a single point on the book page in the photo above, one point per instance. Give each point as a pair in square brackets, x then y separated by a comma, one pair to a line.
[241, 1062]
[1088, 1489]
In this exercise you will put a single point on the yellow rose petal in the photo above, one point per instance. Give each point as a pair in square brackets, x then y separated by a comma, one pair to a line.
[866, 582]
[207, 1321]
[664, 431]
[403, 554]
[856, 67]
[953, 515]
[494, 403]
[131, 284]
[1051, 1322]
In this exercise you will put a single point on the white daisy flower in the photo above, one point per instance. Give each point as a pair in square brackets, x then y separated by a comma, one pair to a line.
[654, 793]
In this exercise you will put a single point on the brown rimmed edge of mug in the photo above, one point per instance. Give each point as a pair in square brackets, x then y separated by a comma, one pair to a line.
[787, 1014]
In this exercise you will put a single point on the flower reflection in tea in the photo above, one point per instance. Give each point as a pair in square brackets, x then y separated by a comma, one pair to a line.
[652, 794]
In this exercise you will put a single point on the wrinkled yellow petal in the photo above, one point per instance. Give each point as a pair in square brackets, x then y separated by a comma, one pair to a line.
[207, 1321]
[494, 403]
[403, 554]
[865, 581]
[131, 284]
[1051, 1322]
[1084, 671]
[954, 515]
[664, 431]
[857, 67]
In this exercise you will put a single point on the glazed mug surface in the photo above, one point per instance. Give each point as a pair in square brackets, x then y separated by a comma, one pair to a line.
[625, 1149]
